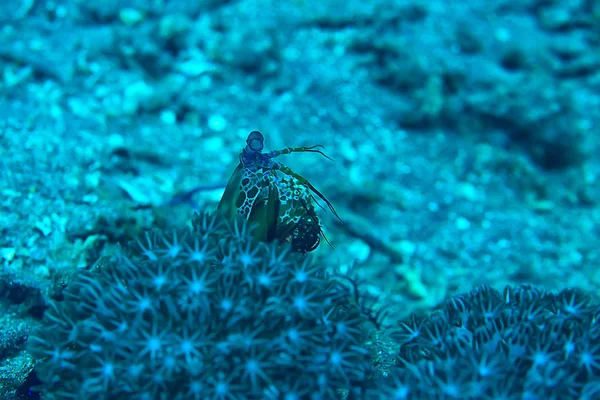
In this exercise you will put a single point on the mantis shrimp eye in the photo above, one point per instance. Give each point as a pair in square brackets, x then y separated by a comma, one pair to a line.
[255, 141]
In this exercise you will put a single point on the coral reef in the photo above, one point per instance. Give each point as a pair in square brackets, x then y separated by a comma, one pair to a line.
[523, 343]
[204, 313]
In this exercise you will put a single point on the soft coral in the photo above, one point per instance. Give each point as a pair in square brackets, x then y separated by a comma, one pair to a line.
[208, 312]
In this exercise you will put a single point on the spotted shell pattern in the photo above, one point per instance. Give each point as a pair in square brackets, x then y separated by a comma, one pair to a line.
[255, 183]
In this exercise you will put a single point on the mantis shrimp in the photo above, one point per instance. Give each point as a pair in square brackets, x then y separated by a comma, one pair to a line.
[274, 197]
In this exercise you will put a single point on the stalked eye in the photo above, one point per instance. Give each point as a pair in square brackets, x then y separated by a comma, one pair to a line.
[255, 141]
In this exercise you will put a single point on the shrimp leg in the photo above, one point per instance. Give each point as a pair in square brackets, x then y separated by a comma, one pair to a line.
[289, 150]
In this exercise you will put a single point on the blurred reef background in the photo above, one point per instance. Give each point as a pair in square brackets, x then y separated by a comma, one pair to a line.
[465, 138]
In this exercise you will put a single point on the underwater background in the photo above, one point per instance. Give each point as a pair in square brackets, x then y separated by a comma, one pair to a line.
[464, 139]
